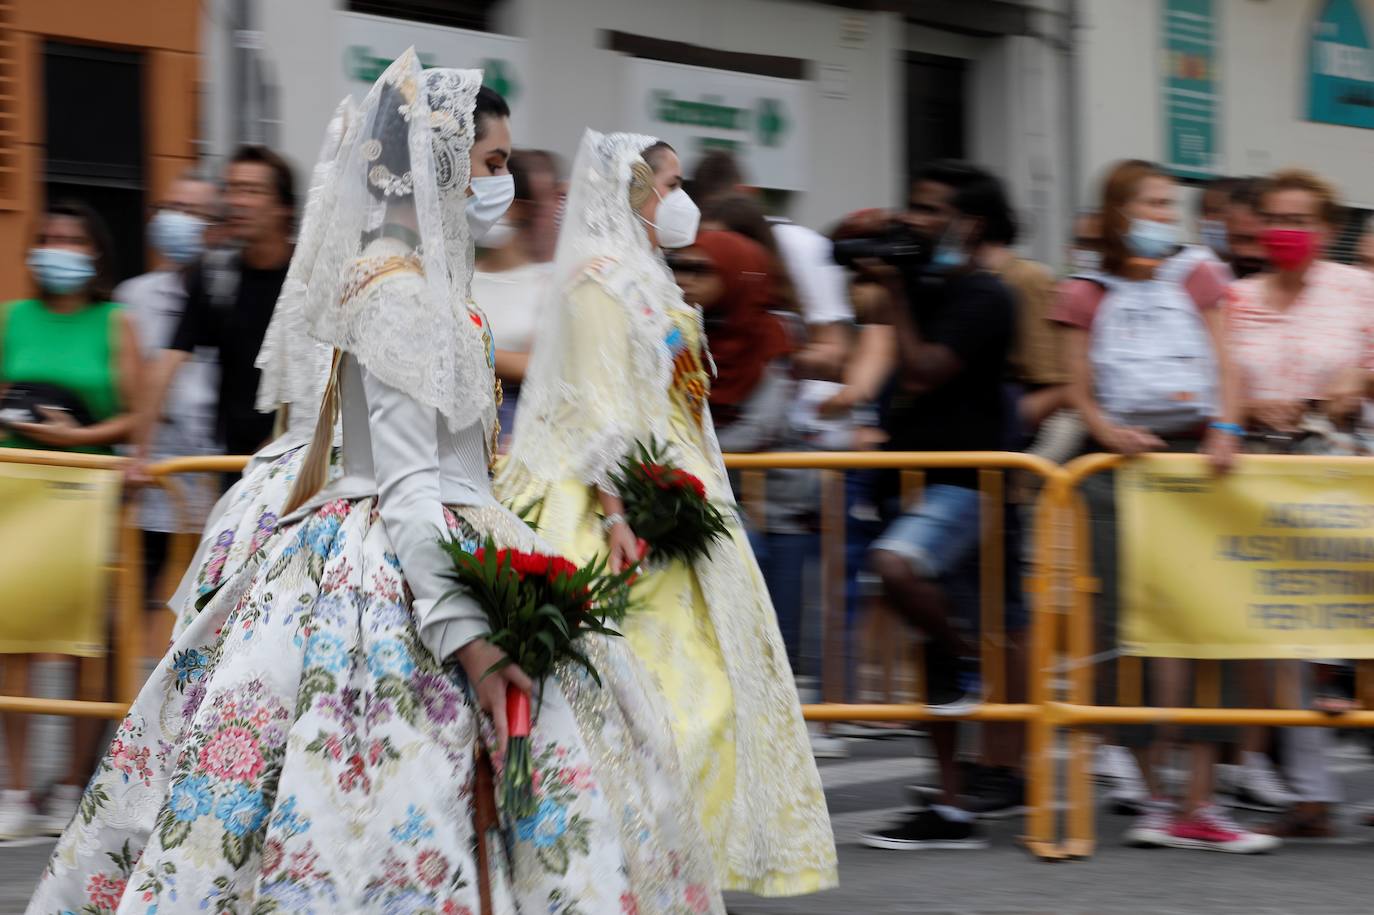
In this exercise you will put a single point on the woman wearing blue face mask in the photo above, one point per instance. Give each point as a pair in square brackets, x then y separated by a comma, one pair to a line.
[1150, 371]
[69, 359]
[69, 366]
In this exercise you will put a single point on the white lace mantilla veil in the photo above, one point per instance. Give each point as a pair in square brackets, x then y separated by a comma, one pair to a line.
[399, 197]
[566, 432]
[294, 365]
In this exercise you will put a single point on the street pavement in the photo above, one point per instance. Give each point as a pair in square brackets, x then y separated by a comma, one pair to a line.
[865, 790]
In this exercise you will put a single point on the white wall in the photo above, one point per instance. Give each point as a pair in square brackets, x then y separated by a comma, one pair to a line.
[1264, 45]
[856, 144]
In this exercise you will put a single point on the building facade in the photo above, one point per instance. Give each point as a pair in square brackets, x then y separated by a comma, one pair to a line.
[98, 103]
[828, 104]
[1229, 87]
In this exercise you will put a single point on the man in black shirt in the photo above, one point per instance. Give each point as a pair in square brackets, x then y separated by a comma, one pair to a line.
[230, 298]
[955, 324]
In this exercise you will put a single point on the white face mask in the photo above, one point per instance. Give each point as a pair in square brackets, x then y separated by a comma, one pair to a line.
[678, 219]
[499, 235]
[491, 197]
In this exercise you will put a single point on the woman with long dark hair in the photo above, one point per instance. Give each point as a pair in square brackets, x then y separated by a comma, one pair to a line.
[311, 741]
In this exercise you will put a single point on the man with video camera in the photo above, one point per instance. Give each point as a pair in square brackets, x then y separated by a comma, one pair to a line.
[955, 327]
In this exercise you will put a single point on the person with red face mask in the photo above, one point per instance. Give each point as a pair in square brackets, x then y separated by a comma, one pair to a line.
[1302, 342]
[1302, 334]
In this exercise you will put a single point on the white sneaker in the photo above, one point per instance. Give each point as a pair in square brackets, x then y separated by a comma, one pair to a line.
[60, 810]
[1258, 786]
[1127, 793]
[824, 746]
[17, 820]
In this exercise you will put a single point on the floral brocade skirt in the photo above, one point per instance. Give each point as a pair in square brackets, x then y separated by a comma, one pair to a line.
[299, 751]
[238, 526]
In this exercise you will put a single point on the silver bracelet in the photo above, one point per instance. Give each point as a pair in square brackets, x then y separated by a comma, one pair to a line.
[610, 521]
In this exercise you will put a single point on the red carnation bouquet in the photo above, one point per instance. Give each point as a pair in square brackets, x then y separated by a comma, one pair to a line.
[666, 506]
[539, 607]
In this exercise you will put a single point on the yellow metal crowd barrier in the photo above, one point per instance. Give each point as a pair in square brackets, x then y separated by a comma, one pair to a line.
[1080, 715]
[1059, 586]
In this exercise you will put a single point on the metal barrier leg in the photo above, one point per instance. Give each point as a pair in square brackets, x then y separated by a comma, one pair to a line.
[1081, 839]
[1040, 837]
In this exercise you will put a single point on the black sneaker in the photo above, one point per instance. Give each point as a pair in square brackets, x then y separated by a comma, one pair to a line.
[952, 687]
[924, 830]
[990, 793]
[971, 775]
[1000, 795]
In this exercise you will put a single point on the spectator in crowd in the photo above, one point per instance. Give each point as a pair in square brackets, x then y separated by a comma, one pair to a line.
[1151, 372]
[513, 272]
[230, 297]
[818, 281]
[955, 328]
[69, 376]
[1085, 249]
[790, 537]
[1037, 359]
[1302, 337]
[1212, 210]
[730, 278]
[156, 302]
[1365, 251]
[1243, 229]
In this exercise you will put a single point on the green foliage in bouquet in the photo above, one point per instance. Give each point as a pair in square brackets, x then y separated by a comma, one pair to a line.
[666, 506]
[538, 607]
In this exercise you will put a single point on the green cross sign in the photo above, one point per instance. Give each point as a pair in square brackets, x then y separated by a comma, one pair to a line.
[497, 75]
[771, 122]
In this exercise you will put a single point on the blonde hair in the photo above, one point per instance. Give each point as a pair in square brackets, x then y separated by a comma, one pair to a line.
[1301, 179]
[314, 471]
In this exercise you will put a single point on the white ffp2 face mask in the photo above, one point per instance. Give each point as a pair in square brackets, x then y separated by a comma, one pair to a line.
[499, 235]
[678, 219]
[491, 196]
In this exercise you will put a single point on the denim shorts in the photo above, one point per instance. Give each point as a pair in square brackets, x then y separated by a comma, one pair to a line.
[939, 536]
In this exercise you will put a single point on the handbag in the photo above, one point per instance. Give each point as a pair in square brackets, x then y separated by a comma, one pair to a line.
[23, 402]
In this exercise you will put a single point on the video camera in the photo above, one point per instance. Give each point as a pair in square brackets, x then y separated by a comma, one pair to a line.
[899, 246]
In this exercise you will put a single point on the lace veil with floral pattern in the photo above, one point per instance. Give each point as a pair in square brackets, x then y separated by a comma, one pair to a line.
[397, 204]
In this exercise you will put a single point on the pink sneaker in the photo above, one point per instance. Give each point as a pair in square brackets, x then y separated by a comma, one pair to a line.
[1209, 829]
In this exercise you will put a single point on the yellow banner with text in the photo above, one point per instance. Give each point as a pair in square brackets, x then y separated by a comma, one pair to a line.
[1274, 560]
[57, 535]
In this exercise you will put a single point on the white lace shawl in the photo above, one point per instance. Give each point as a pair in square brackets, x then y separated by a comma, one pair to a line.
[403, 173]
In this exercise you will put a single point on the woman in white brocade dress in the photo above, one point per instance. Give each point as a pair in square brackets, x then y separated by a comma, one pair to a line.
[309, 744]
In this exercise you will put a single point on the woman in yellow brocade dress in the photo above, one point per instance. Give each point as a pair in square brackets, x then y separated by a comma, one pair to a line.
[621, 360]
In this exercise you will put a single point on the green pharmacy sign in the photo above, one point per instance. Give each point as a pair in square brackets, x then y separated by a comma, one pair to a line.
[768, 120]
[364, 66]
[1191, 99]
[1341, 77]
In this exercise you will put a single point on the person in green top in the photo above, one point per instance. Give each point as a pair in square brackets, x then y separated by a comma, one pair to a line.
[72, 337]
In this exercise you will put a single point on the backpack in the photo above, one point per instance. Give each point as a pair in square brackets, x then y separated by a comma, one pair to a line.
[1151, 352]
